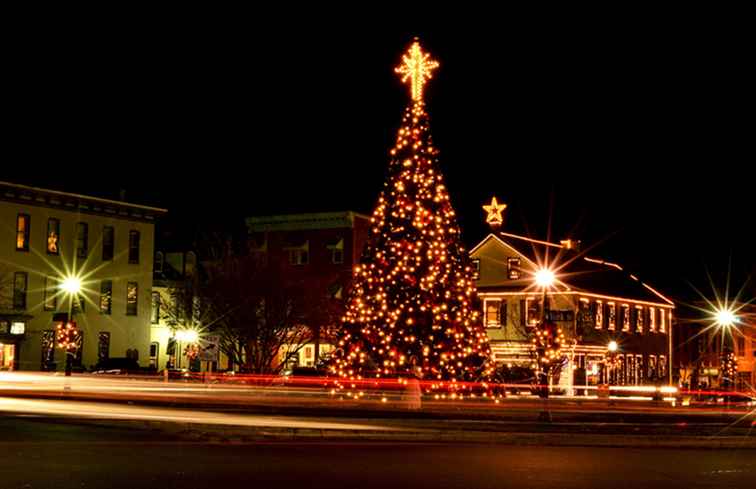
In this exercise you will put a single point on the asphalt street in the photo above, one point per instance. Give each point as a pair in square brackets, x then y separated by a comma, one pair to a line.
[38, 454]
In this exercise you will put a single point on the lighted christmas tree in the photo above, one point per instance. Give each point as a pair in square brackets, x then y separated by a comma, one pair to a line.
[412, 307]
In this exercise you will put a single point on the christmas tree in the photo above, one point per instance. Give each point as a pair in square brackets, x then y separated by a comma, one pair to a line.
[412, 307]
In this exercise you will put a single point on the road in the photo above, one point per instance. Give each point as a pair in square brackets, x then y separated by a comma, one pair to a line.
[61, 457]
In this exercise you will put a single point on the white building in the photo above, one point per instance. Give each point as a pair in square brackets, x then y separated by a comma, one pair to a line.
[47, 236]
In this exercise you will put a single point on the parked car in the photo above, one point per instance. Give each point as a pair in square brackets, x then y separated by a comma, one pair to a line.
[117, 365]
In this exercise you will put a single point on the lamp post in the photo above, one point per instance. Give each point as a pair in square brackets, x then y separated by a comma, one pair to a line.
[189, 336]
[725, 320]
[68, 334]
[544, 278]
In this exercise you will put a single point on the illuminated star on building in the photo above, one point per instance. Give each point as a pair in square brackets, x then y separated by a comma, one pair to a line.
[494, 210]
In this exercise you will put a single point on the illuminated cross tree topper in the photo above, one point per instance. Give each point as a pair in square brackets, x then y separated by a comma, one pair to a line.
[412, 307]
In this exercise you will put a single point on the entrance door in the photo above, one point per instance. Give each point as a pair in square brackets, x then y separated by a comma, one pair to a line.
[7, 356]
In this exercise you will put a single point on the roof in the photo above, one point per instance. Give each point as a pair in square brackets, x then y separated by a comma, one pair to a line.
[576, 271]
[299, 222]
[25, 194]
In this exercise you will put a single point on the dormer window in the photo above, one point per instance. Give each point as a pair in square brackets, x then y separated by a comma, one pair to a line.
[513, 268]
[476, 268]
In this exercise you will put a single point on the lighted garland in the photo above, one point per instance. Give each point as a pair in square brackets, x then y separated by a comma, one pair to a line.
[412, 306]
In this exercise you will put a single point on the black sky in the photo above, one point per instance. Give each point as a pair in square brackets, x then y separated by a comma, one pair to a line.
[637, 135]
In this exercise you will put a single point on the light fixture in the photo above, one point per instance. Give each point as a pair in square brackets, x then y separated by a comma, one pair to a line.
[544, 277]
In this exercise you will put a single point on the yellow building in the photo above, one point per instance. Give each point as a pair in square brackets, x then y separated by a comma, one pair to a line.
[48, 237]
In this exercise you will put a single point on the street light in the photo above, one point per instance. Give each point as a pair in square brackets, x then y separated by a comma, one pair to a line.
[544, 278]
[69, 334]
[612, 346]
[189, 336]
[725, 320]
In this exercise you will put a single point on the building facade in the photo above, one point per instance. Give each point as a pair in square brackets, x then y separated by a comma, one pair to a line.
[49, 237]
[318, 250]
[595, 303]
[701, 346]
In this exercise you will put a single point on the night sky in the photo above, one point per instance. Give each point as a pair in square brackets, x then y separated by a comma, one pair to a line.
[634, 136]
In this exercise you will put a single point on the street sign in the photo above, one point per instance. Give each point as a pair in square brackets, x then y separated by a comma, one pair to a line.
[209, 348]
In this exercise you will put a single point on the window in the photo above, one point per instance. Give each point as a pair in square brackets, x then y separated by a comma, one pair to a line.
[336, 247]
[298, 257]
[82, 240]
[133, 247]
[630, 367]
[103, 346]
[77, 303]
[476, 268]
[652, 319]
[155, 307]
[513, 268]
[132, 294]
[639, 373]
[53, 236]
[625, 317]
[79, 352]
[22, 232]
[662, 367]
[532, 312]
[159, 262]
[741, 346]
[106, 296]
[599, 315]
[611, 316]
[640, 312]
[493, 313]
[154, 349]
[48, 350]
[663, 321]
[108, 243]
[20, 282]
[652, 367]
[18, 327]
[51, 294]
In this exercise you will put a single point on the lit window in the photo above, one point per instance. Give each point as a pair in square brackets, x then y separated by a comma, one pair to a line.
[599, 314]
[53, 236]
[108, 243]
[651, 367]
[22, 232]
[625, 317]
[639, 314]
[493, 313]
[106, 296]
[133, 247]
[18, 328]
[513, 268]
[612, 316]
[132, 294]
[82, 239]
[662, 367]
[652, 319]
[663, 321]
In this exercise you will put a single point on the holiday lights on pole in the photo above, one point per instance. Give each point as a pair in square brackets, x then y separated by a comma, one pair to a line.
[725, 320]
[413, 304]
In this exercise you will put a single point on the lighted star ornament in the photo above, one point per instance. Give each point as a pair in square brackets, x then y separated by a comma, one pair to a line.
[417, 67]
[494, 209]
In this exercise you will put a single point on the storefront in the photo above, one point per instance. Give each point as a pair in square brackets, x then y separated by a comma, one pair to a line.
[12, 333]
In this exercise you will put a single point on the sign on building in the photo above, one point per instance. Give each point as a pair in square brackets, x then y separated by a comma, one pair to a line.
[209, 348]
